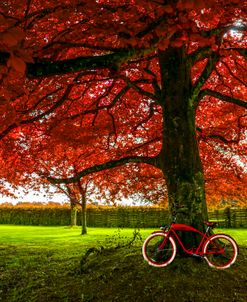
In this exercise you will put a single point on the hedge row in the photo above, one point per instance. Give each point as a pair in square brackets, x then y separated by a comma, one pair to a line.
[96, 217]
[34, 216]
[127, 217]
[110, 216]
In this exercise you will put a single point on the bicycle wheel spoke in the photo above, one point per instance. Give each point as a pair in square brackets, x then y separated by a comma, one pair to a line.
[159, 250]
[220, 251]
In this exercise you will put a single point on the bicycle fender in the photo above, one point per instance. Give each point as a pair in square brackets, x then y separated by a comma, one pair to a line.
[159, 231]
[211, 237]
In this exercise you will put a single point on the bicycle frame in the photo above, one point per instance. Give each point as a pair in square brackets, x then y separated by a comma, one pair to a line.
[219, 250]
[175, 227]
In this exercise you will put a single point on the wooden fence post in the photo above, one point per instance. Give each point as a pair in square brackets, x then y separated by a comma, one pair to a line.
[228, 217]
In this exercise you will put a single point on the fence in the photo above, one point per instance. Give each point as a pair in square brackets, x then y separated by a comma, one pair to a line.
[113, 217]
[127, 217]
[230, 218]
[153, 217]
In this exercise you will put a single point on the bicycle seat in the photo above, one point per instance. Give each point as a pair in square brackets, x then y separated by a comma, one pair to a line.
[210, 223]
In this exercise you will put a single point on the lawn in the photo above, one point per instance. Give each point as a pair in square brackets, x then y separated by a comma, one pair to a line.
[39, 264]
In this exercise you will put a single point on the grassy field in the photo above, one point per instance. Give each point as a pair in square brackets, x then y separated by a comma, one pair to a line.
[41, 264]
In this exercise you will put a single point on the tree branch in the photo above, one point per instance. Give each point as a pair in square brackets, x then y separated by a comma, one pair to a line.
[212, 61]
[233, 74]
[108, 107]
[217, 137]
[151, 26]
[39, 116]
[243, 52]
[200, 54]
[222, 97]
[140, 90]
[221, 31]
[47, 68]
[107, 61]
[101, 167]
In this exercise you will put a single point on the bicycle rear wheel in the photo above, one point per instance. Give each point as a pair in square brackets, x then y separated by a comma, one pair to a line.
[220, 251]
[159, 250]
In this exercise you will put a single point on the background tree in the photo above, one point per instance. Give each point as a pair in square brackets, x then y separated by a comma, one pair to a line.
[146, 76]
[51, 155]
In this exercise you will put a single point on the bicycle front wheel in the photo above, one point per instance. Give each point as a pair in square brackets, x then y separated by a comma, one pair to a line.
[159, 250]
[220, 251]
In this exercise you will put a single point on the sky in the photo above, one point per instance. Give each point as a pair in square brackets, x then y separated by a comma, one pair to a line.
[34, 196]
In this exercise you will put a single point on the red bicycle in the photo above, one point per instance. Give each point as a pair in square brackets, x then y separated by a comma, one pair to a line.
[219, 250]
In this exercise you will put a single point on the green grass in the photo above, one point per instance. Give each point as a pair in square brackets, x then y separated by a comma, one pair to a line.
[53, 236]
[33, 235]
[41, 264]
[58, 239]
[240, 235]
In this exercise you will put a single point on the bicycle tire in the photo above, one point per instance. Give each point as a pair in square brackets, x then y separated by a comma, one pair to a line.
[220, 251]
[156, 257]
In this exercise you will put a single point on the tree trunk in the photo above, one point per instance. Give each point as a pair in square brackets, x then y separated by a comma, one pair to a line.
[83, 215]
[180, 158]
[73, 214]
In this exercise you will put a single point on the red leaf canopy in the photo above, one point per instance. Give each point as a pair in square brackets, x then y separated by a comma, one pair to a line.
[80, 84]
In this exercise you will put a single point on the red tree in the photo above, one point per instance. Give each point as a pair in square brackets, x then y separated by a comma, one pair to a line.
[49, 155]
[144, 81]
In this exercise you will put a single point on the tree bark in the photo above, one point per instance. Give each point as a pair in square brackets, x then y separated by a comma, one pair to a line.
[179, 157]
[73, 214]
[83, 215]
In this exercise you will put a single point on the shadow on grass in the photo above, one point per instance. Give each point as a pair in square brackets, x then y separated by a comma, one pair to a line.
[114, 272]
[122, 275]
